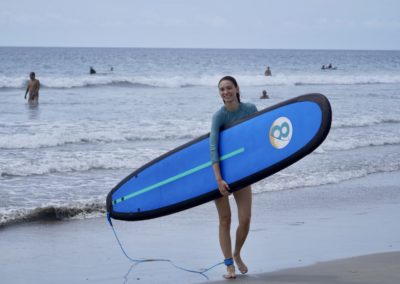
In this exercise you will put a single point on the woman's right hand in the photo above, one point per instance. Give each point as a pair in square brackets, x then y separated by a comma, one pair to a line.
[223, 188]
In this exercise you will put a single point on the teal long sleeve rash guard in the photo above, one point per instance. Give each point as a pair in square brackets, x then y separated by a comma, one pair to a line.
[222, 118]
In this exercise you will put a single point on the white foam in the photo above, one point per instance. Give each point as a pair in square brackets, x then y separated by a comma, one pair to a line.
[47, 162]
[12, 82]
[176, 81]
[294, 179]
[349, 138]
[364, 120]
[98, 132]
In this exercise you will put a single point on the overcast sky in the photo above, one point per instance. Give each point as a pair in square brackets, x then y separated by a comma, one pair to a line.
[265, 24]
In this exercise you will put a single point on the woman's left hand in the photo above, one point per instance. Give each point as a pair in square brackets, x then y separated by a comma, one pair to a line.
[223, 187]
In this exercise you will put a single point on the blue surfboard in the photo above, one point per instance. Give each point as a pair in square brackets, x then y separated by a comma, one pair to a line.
[250, 149]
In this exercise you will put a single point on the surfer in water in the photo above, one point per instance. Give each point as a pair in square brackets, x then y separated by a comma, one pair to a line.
[264, 95]
[268, 72]
[33, 89]
[232, 111]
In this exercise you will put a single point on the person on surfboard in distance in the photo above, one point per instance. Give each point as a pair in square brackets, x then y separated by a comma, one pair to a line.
[232, 110]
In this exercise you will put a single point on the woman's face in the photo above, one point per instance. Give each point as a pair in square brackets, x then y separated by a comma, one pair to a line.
[228, 91]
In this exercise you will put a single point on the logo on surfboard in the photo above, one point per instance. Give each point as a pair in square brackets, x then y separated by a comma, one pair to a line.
[280, 132]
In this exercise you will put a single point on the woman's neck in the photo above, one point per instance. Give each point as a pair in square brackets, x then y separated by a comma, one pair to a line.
[232, 106]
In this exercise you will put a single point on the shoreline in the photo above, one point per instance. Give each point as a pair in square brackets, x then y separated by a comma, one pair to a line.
[290, 229]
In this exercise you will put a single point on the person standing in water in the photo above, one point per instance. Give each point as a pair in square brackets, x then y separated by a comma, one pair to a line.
[232, 111]
[268, 72]
[33, 89]
[264, 95]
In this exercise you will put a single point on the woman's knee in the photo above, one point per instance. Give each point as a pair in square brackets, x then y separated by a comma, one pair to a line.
[244, 221]
[225, 220]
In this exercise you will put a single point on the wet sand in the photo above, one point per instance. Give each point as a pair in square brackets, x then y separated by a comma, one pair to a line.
[291, 231]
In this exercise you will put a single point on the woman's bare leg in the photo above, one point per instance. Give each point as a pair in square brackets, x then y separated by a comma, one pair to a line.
[224, 213]
[243, 199]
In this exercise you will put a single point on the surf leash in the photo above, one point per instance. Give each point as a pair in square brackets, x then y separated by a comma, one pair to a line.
[137, 261]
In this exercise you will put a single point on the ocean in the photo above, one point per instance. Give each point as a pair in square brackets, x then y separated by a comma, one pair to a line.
[59, 159]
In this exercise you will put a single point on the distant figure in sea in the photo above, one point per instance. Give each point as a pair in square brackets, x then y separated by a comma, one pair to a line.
[92, 71]
[111, 68]
[328, 67]
[33, 89]
[268, 72]
[264, 95]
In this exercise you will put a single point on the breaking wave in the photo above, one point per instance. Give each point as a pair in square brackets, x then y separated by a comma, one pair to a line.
[52, 213]
[181, 81]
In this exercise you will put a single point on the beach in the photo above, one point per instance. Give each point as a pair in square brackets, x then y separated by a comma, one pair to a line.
[59, 160]
[290, 229]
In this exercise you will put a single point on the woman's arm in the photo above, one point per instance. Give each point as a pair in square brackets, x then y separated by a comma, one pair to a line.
[214, 140]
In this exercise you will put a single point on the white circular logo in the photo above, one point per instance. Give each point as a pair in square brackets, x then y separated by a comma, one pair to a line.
[280, 132]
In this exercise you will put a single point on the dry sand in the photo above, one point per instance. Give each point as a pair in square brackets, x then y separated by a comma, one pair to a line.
[370, 269]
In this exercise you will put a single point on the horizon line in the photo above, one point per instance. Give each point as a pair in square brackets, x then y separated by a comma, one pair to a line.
[217, 48]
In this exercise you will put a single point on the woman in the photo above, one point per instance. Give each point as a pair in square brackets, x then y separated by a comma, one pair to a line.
[232, 110]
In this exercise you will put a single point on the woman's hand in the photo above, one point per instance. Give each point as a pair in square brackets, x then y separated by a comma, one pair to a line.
[223, 188]
[222, 185]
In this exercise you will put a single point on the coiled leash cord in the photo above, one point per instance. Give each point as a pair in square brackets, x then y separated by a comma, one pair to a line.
[138, 261]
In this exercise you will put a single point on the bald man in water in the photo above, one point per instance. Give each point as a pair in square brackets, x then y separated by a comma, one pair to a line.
[33, 89]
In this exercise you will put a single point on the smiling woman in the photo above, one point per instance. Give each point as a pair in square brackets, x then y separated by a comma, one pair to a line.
[232, 111]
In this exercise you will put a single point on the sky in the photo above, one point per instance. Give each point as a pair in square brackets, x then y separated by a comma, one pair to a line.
[258, 24]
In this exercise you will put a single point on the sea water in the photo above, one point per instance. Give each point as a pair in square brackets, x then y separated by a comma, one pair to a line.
[59, 159]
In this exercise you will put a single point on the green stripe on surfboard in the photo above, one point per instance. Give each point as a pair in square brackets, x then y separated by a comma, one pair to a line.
[176, 177]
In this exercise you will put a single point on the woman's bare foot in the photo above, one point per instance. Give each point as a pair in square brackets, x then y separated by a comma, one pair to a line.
[241, 266]
[230, 272]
